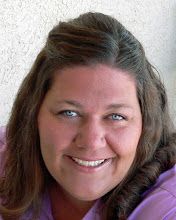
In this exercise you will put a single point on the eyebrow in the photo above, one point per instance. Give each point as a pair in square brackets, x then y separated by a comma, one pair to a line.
[111, 106]
[70, 102]
[119, 105]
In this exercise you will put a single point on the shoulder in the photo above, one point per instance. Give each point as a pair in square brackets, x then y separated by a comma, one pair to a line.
[160, 201]
[45, 211]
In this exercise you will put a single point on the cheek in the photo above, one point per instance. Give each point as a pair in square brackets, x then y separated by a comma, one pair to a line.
[54, 136]
[124, 141]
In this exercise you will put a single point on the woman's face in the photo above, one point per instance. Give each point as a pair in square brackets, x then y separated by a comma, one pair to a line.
[89, 125]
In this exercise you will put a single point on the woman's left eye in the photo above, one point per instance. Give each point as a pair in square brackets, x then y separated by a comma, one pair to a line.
[116, 117]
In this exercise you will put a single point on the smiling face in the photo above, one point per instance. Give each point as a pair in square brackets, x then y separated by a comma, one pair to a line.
[89, 126]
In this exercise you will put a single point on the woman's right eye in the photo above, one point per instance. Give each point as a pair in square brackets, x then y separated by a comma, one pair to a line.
[68, 113]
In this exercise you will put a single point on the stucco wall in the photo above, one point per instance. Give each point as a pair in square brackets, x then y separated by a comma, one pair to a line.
[24, 25]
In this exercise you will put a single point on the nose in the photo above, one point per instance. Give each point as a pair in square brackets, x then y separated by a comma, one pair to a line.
[91, 134]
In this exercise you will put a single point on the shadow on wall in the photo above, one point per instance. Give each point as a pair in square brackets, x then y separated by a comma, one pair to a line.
[171, 68]
[173, 65]
[173, 39]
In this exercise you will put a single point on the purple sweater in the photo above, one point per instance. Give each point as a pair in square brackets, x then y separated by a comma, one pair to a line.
[159, 203]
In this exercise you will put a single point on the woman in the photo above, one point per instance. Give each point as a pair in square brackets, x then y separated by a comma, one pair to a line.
[89, 136]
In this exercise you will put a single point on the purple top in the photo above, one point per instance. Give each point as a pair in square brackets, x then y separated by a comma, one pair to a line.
[159, 203]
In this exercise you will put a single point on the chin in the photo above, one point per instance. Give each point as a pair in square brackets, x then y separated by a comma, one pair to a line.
[87, 195]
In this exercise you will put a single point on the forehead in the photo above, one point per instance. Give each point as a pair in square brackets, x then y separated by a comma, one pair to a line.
[95, 85]
[104, 75]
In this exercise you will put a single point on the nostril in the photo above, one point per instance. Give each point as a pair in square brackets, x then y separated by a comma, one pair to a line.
[90, 134]
[89, 141]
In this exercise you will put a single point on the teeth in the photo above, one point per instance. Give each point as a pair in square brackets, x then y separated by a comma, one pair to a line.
[88, 163]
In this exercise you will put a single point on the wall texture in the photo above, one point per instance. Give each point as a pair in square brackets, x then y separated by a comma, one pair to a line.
[24, 25]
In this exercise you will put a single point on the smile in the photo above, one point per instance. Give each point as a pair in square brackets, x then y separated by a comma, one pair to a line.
[86, 163]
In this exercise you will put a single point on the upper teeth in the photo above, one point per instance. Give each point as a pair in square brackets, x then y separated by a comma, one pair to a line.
[88, 163]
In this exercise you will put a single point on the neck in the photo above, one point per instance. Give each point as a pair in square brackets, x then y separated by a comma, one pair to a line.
[64, 206]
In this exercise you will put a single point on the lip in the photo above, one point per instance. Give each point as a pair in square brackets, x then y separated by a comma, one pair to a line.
[89, 169]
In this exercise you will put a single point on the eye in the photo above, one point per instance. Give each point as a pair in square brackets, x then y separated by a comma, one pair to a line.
[69, 113]
[116, 117]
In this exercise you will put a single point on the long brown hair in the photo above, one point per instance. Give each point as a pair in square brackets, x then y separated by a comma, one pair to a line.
[89, 39]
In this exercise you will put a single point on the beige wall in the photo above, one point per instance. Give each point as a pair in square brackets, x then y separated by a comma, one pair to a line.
[24, 25]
